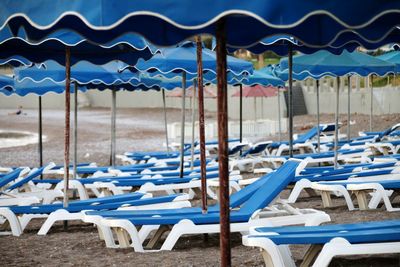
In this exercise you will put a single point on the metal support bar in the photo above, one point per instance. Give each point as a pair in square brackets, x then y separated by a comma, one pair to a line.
[75, 129]
[223, 164]
[113, 121]
[337, 123]
[165, 120]
[67, 123]
[290, 98]
[183, 125]
[318, 121]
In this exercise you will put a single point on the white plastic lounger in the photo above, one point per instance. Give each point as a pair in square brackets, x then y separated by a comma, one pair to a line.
[249, 214]
[327, 241]
[357, 176]
[18, 217]
[381, 190]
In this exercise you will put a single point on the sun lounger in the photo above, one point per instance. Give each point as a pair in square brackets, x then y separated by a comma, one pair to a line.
[19, 216]
[364, 175]
[327, 241]
[249, 214]
[22, 191]
[256, 150]
[361, 189]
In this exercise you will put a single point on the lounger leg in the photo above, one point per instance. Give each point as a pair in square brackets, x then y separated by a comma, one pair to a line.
[146, 230]
[123, 238]
[26, 218]
[58, 215]
[153, 241]
[326, 199]
[310, 192]
[362, 199]
[300, 185]
[125, 231]
[310, 255]
[13, 221]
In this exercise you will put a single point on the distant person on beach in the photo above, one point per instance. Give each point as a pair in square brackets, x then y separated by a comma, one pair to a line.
[18, 112]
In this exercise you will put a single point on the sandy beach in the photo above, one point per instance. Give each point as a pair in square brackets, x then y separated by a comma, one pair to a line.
[143, 129]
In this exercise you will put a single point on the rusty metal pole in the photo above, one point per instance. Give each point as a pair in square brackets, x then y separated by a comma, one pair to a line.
[223, 164]
[202, 136]
[182, 163]
[318, 121]
[241, 114]
[290, 102]
[67, 125]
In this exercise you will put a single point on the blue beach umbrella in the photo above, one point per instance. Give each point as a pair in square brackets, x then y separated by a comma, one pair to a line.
[82, 72]
[323, 63]
[392, 57]
[183, 60]
[312, 22]
[168, 22]
[127, 48]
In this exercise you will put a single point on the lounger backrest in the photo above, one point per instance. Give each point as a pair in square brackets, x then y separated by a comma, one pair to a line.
[307, 136]
[9, 177]
[28, 178]
[272, 187]
[240, 197]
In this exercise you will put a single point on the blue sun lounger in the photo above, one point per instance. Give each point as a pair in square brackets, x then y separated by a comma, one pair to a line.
[241, 219]
[235, 200]
[329, 240]
[362, 190]
[56, 212]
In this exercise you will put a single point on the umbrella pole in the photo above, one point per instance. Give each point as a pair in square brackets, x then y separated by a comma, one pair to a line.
[337, 123]
[318, 121]
[113, 120]
[193, 120]
[279, 116]
[183, 125]
[290, 102]
[241, 113]
[67, 127]
[371, 104]
[202, 137]
[40, 135]
[165, 119]
[348, 107]
[75, 129]
[255, 110]
[225, 242]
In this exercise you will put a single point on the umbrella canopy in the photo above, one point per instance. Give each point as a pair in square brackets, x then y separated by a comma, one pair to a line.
[324, 63]
[392, 57]
[178, 92]
[349, 41]
[127, 48]
[9, 86]
[313, 22]
[263, 77]
[258, 91]
[83, 73]
[183, 58]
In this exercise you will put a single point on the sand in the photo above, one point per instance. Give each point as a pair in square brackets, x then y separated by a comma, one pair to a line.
[143, 129]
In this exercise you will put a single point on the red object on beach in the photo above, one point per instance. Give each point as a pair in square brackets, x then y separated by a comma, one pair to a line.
[258, 91]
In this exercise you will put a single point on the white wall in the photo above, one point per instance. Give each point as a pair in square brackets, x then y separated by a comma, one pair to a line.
[152, 99]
